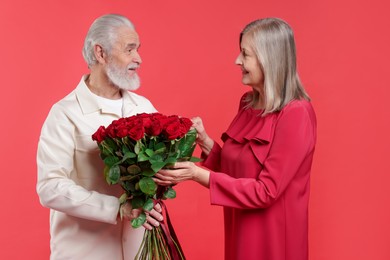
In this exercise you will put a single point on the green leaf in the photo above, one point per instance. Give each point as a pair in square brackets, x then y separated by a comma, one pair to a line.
[151, 143]
[137, 147]
[175, 154]
[128, 155]
[148, 172]
[156, 158]
[106, 151]
[133, 169]
[138, 192]
[149, 152]
[111, 160]
[187, 144]
[106, 171]
[127, 177]
[137, 202]
[129, 186]
[170, 161]
[125, 149]
[160, 148]
[123, 198]
[148, 186]
[110, 144]
[149, 204]
[137, 222]
[142, 157]
[195, 159]
[114, 174]
[157, 166]
[170, 193]
[131, 161]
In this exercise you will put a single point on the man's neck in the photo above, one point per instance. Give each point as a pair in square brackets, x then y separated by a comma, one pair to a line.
[99, 84]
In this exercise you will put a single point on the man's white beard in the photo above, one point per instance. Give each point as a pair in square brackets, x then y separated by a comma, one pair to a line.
[120, 77]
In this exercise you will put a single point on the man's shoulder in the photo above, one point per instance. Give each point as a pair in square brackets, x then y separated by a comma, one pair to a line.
[137, 97]
[63, 106]
[67, 99]
[142, 104]
[139, 100]
[72, 98]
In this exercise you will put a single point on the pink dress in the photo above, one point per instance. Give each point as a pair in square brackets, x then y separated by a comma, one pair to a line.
[261, 176]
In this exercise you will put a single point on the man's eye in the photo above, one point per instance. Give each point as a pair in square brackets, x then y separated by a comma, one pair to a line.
[132, 50]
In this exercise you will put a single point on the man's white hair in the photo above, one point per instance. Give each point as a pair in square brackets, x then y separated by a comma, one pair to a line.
[103, 32]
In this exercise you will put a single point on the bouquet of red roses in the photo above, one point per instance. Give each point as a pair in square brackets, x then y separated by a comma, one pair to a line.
[134, 149]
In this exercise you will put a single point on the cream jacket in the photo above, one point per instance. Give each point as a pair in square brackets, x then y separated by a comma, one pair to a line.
[83, 207]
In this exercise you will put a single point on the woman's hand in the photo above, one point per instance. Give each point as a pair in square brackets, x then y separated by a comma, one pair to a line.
[153, 217]
[204, 141]
[182, 171]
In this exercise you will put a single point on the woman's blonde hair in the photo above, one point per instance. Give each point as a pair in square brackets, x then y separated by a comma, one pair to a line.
[273, 42]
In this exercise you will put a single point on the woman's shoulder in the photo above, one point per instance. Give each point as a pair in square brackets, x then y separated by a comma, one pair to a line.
[299, 109]
[298, 104]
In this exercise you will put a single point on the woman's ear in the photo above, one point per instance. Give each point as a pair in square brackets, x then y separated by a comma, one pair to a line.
[99, 53]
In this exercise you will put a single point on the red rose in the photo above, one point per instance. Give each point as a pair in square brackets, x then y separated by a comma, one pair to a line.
[157, 116]
[143, 115]
[136, 133]
[120, 121]
[169, 120]
[147, 123]
[135, 129]
[131, 119]
[172, 130]
[154, 129]
[183, 131]
[121, 130]
[110, 130]
[186, 124]
[173, 118]
[100, 134]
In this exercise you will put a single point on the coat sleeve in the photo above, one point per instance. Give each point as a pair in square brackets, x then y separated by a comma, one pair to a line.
[291, 149]
[55, 188]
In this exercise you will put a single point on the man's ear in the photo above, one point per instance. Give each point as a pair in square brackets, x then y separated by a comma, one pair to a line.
[99, 53]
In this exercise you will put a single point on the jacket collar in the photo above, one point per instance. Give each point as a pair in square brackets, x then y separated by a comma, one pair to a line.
[89, 104]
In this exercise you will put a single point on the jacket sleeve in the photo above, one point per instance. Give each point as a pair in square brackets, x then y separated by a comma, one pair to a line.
[290, 155]
[55, 161]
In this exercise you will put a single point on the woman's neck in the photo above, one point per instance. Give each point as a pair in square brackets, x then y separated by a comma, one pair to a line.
[259, 99]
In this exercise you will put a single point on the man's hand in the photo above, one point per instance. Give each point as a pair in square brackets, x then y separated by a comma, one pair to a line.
[153, 217]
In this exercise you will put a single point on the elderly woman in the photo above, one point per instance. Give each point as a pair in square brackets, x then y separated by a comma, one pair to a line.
[261, 174]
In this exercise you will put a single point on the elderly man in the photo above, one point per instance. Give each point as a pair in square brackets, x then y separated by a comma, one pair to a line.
[84, 222]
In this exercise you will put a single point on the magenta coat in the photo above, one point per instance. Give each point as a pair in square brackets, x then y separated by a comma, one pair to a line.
[261, 176]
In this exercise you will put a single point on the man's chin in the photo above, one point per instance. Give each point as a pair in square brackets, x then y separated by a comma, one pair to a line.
[123, 81]
[131, 86]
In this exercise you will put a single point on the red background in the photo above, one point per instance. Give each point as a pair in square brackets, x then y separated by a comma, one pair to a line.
[188, 50]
